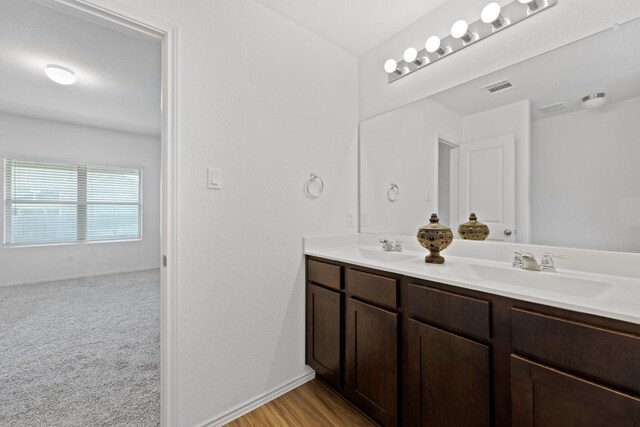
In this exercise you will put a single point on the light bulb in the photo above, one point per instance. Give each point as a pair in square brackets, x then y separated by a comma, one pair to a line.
[434, 45]
[460, 30]
[411, 54]
[491, 15]
[533, 4]
[391, 66]
[61, 75]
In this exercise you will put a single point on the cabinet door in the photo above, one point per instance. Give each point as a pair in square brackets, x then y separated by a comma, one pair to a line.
[371, 356]
[545, 397]
[448, 379]
[323, 333]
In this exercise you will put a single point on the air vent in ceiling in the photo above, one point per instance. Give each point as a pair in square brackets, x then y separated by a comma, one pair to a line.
[552, 107]
[501, 86]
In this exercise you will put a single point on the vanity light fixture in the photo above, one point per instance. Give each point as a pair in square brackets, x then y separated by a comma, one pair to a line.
[61, 75]
[460, 30]
[434, 45]
[594, 100]
[494, 18]
[491, 14]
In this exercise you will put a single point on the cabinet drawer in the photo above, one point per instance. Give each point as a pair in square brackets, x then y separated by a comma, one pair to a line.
[324, 274]
[603, 354]
[457, 312]
[372, 287]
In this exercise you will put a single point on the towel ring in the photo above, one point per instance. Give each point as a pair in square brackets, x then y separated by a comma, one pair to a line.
[313, 178]
[393, 192]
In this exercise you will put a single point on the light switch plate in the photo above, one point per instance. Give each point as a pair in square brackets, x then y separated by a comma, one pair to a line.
[214, 178]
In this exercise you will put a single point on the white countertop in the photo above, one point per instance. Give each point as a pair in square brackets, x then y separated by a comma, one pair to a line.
[616, 297]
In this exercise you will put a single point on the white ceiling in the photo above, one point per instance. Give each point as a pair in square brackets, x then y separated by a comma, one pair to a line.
[119, 73]
[356, 26]
[601, 63]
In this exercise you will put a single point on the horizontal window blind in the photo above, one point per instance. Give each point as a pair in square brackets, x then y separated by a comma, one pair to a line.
[57, 203]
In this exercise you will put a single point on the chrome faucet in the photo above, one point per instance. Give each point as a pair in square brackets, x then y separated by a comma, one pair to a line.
[391, 246]
[528, 261]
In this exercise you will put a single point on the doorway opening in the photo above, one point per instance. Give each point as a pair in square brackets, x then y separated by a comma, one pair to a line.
[76, 209]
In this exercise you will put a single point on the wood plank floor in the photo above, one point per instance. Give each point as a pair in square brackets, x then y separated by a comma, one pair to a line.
[311, 404]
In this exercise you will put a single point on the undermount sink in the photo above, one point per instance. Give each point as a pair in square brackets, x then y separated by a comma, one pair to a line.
[379, 255]
[539, 281]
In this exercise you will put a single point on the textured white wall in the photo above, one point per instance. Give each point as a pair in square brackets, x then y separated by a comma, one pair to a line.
[585, 178]
[569, 21]
[510, 119]
[269, 103]
[27, 138]
[400, 147]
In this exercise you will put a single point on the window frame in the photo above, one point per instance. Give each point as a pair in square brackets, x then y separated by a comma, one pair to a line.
[85, 165]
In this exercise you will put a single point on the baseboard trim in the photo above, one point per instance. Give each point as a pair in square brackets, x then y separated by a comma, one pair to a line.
[79, 276]
[258, 401]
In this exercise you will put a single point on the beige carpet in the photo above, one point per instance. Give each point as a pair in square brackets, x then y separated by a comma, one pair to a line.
[81, 352]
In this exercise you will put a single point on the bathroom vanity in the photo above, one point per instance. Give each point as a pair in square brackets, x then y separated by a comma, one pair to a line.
[477, 342]
[410, 349]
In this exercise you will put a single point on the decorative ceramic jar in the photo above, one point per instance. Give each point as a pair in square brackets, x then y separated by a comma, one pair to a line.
[473, 230]
[435, 238]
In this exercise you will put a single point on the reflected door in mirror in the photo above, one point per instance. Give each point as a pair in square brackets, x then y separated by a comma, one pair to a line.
[487, 184]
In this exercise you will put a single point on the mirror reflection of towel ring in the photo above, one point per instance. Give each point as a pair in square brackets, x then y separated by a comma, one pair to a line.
[307, 187]
[393, 192]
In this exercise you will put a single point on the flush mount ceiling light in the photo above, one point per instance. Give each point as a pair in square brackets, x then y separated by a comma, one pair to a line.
[61, 75]
[594, 100]
[493, 19]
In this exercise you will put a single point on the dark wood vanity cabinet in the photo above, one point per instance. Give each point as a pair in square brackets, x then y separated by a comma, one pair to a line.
[417, 353]
[448, 379]
[324, 329]
[324, 333]
[371, 360]
[448, 358]
[547, 397]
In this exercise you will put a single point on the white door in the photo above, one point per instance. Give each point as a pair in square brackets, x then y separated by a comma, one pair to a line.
[488, 185]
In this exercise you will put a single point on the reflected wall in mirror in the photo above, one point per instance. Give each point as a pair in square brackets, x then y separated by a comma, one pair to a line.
[522, 147]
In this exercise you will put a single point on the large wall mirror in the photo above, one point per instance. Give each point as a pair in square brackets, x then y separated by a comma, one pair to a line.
[546, 151]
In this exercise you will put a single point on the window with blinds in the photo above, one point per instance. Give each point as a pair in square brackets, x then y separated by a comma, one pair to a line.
[58, 203]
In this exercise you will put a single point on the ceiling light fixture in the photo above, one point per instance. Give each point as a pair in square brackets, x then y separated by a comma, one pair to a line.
[594, 100]
[61, 75]
[491, 14]
[494, 18]
[460, 30]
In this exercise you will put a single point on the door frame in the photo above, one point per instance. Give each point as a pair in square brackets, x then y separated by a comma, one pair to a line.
[107, 11]
[453, 176]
